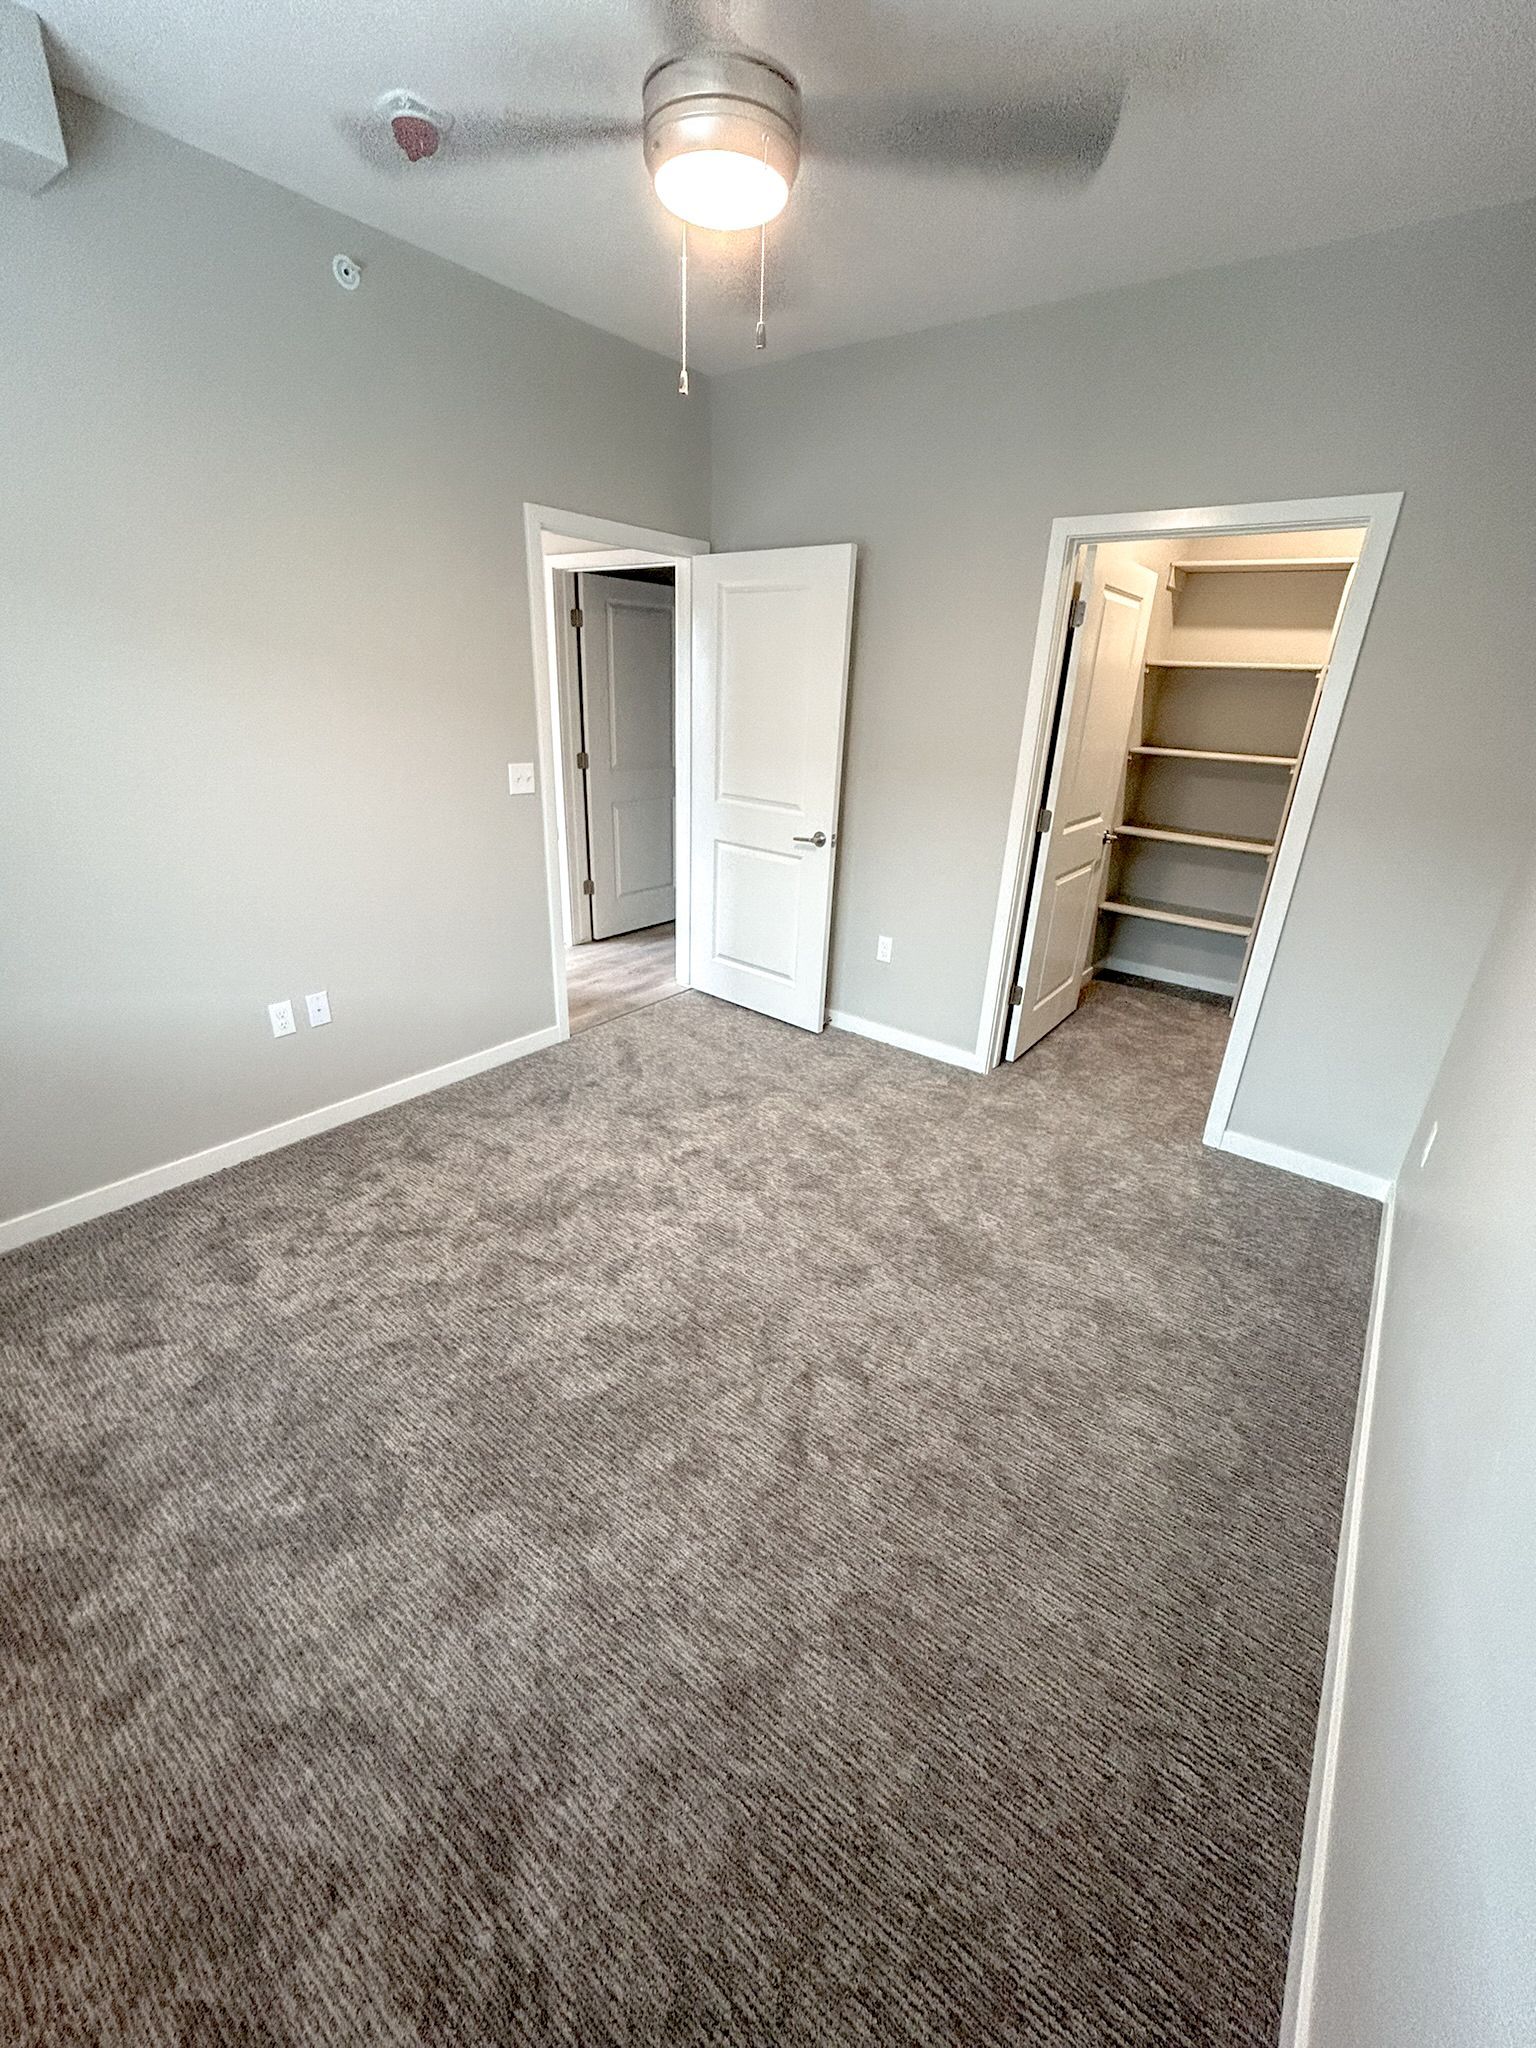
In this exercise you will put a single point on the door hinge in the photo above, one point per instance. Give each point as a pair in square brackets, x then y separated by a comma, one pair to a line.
[1079, 613]
[1015, 996]
[588, 886]
[1043, 822]
[583, 761]
[576, 619]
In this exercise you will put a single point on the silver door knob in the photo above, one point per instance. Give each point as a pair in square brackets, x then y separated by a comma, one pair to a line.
[812, 839]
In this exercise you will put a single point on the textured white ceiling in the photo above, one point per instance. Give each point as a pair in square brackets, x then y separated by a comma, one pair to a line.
[1250, 126]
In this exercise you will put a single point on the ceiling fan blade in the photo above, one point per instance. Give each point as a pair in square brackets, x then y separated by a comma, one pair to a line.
[473, 138]
[486, 135]
[1066, 136]
[369, 139]
[693, 24]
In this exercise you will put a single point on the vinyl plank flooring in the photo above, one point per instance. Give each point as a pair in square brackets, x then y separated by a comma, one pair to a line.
[611, 977]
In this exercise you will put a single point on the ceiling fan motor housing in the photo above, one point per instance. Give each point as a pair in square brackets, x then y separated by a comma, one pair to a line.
[722, 100]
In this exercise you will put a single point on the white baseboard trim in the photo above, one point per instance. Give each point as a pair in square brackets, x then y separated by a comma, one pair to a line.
[908, 1041]
[138, 1187]
[1376, 1185]
[1176, 977]
[1301, 1970]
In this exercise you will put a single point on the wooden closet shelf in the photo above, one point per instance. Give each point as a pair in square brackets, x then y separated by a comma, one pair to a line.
[1264, 562]
[1278, 668]
[1221, 840]
[1216, 754]
[1173, 913]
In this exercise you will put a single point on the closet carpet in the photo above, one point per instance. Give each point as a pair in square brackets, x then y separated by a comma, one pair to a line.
[707, 1535]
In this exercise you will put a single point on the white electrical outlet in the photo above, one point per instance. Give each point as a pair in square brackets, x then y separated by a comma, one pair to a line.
[1429, 1146]
[882, 947]
[281, 1014]
[520, 778]
[319, 1007]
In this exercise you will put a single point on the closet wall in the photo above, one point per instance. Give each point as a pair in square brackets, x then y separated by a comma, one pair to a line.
[1242, 628]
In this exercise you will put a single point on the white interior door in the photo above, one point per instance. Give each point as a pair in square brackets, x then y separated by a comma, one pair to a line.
[770, 679]
[1083, 789]
[626, 691]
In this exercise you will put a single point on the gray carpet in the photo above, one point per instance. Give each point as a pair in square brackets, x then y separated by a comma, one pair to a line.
[705, 1536]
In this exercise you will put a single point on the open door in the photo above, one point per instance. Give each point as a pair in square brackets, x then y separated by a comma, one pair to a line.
[626, 699]
[770, 679]
[1087, 770]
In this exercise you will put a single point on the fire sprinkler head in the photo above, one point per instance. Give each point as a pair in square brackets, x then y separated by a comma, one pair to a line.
[416, 127]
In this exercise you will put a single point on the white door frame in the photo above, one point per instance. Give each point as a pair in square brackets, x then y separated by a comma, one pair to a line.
[572, 817]
[640, 547]
[1377, 513]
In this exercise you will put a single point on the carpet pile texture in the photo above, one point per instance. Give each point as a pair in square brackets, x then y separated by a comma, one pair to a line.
[704, 1536]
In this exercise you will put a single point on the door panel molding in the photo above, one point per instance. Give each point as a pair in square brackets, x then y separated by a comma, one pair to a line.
[628, 639]
[771, 637]
[1086, 775]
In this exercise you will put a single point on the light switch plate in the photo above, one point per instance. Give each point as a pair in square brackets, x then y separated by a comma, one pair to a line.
[281, 1014]
[319, 1007]
[520, 778]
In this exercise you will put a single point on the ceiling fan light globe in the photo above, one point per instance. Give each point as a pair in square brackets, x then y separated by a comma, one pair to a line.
[722, 137]
[721, 189]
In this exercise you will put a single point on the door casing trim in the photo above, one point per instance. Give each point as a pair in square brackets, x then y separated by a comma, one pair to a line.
[639, 547]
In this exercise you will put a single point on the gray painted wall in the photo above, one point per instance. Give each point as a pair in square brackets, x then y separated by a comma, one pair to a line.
[32, 150]
[266, 646]
[266, 649]
[1428, 1904]
[1399, 362]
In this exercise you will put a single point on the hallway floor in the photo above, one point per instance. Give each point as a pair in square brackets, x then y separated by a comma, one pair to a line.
[611, 977]
[706, 1535]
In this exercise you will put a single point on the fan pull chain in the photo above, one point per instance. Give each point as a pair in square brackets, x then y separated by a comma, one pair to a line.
[682, 381]
[760, 339]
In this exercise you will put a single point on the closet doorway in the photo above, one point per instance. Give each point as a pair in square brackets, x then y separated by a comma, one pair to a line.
[1191, 670]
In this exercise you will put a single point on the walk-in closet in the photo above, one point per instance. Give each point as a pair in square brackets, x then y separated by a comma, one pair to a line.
[1237, 645]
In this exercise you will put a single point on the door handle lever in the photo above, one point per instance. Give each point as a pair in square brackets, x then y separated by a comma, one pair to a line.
[810, 839]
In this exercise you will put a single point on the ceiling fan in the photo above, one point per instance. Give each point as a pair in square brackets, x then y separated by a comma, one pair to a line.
[724, 127]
